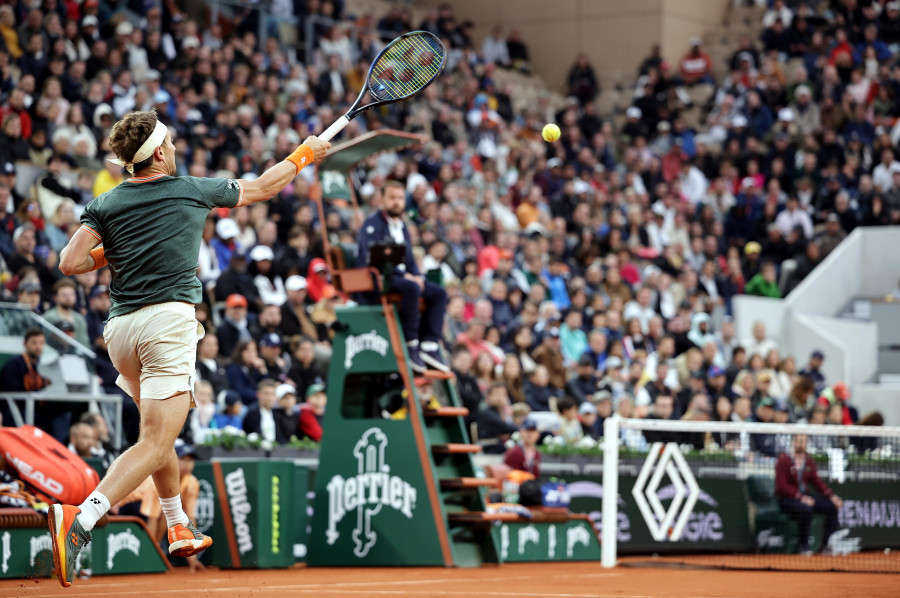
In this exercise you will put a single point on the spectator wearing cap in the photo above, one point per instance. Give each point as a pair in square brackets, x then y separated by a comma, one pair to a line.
[29, 293]
[584, 384]
[270, 352]
[505, 271]
[260, 418]
[64, 310]
[495, 419]
[98, 306]
[589, 419]
[549, 355]
[269, 286]
[234, 327]
[525, 456]
[839, 394]
[226, 240]
[807, 116]
[286, 415]
[312, 412]
[717, 383]
[294, 315]
[317, 279]
[613, 381]
[232, 409]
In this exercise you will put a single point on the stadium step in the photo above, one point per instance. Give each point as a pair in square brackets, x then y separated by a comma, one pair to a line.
[446, 412]
[455, 449]
[459, 483]
[480, 517]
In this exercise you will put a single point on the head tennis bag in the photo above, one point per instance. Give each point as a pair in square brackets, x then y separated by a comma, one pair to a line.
[50, 471]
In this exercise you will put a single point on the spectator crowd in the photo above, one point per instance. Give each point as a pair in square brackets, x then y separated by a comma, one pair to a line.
[590, 276]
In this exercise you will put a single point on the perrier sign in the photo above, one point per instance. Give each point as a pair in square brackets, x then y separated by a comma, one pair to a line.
[372, 506]
[364, 495]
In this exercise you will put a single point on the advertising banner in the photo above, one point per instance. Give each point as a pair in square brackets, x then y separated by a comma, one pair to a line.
[543, 542]
[118, 548]
[249, 509]
[718, 521]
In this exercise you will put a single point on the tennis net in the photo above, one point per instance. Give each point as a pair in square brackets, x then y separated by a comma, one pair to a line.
[751, 495]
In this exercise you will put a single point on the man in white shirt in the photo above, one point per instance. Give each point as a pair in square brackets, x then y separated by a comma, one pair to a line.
[260, 420]
[494, 49]
[792, 216]
[640, 308]
[883, 175]
[759, 344]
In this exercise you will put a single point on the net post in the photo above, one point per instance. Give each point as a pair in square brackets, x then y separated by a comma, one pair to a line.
[610, 491]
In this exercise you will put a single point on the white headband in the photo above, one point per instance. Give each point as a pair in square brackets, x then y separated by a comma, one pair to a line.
[145, 151]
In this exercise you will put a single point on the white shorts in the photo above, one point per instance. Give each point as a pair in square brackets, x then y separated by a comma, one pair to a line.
[155, 350]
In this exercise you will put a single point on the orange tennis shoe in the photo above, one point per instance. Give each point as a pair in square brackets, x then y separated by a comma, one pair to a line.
[67, 539]
[187, 540]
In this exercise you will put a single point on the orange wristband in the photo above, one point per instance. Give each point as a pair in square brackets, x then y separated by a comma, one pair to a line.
[302, 156]
[99, 257]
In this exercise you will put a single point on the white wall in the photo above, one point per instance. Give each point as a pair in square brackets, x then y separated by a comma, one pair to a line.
[748, 309]
[833, 283]
[803, 335]
[878, 397]
[857, 343]
[878, 265]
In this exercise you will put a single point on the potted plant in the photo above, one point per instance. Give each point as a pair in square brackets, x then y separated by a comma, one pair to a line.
[232, 443]
[306, 448]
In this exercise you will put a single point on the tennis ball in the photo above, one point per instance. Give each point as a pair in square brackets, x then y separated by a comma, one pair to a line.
[550, 133]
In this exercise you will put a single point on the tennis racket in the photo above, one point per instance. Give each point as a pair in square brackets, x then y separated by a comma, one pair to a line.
[404, 68]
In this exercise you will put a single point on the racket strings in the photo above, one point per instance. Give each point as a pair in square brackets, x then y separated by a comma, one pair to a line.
[405, 68]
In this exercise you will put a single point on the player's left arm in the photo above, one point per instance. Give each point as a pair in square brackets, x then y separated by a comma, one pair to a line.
[81, 254]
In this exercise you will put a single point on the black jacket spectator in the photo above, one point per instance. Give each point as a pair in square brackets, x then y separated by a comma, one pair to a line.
[491, 425]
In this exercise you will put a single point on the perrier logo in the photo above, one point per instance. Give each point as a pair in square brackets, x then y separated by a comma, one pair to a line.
[370, 341]
[371, 489]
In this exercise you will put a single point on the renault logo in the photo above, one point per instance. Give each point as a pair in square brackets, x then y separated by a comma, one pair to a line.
[660, 462]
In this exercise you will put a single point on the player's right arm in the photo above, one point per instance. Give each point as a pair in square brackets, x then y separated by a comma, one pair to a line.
[276, 178]
[81, 254]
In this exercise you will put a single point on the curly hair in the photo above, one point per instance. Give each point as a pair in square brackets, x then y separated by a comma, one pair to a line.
[130, 133]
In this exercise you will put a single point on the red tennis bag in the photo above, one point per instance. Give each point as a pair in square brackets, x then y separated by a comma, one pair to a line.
[50, 471]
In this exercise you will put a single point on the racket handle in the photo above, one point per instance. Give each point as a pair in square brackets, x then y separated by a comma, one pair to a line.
[335, 128]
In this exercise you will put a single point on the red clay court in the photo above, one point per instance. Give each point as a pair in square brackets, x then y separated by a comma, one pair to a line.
[550, 580]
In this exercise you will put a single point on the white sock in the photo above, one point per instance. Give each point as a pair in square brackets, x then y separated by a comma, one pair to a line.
[171, 508]
[93, 508]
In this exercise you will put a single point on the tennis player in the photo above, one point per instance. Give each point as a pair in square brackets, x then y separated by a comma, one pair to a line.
[150, 228]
